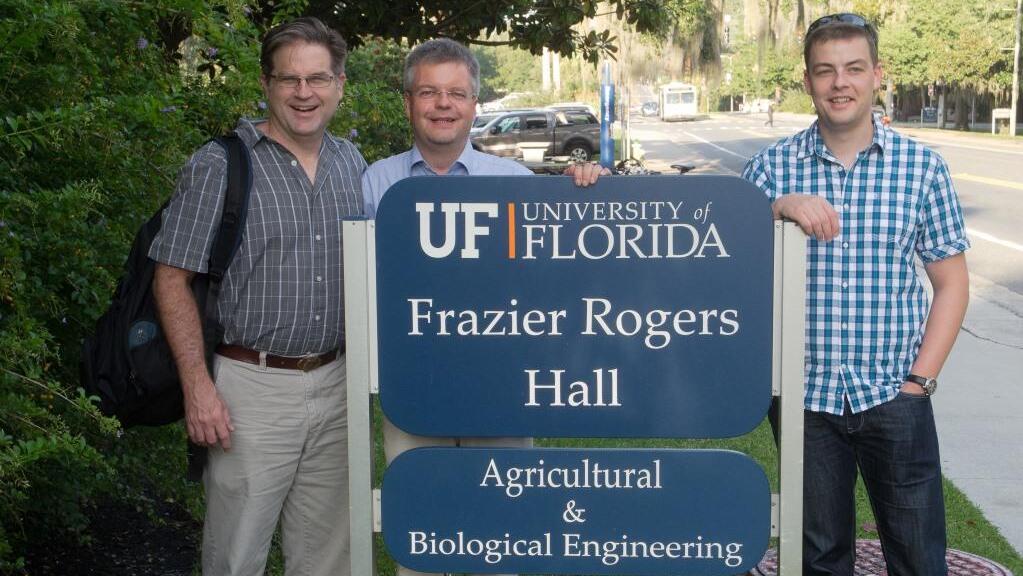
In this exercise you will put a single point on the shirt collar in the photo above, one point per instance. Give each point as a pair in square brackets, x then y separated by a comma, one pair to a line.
[248, 130]
[814, 144]
[467, 159]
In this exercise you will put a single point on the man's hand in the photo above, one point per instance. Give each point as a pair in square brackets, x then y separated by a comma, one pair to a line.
[206, 415]
[813, 214]
[586, 173]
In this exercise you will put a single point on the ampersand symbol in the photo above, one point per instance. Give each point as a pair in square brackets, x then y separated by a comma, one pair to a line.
[573, 514]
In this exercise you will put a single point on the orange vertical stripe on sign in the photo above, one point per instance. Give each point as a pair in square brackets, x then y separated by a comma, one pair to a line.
[511, 231]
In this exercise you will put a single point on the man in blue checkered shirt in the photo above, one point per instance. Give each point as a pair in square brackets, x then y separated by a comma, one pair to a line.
[873, 202]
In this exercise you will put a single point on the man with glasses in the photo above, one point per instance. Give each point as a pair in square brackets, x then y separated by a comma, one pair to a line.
[873, 202]
[442, 80]
[274, 415]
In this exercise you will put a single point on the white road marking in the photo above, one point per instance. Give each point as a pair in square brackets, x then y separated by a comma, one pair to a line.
[725, 150]
[994, 239]
[943, 142]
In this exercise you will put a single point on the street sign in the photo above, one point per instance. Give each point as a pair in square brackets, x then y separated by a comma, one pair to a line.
[568, 511]
[639, 307]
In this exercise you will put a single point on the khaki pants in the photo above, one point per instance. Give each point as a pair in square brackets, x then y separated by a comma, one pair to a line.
[288, 461]
[397, 441]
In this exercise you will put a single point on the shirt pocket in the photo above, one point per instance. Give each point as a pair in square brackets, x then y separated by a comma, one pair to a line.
[894, 221]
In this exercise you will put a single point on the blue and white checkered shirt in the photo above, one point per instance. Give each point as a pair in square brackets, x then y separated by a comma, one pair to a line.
[865, 303]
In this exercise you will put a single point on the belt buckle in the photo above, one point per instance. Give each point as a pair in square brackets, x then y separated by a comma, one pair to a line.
[309, 363]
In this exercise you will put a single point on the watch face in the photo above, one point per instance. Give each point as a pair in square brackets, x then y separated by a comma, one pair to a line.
[930, 386]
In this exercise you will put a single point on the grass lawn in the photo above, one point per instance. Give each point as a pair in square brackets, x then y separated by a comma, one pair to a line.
[968, 530]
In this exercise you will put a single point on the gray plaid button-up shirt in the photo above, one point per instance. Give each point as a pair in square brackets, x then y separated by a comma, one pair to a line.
[284, 291]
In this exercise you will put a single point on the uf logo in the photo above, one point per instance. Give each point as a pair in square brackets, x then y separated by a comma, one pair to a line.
[469, 210]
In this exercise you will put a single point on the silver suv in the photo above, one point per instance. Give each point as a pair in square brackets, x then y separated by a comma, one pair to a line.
[573, 133]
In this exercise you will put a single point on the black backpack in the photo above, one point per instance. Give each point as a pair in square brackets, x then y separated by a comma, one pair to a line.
[127, 362]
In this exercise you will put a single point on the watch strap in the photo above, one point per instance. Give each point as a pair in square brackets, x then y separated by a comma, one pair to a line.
[917, 379]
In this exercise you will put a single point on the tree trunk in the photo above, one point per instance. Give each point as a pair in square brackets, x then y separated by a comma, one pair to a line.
[772, 22]
[941, 108]
[962, 119]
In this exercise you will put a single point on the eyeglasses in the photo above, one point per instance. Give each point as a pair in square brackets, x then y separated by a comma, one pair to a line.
[843, 18]
[314, 81]
[456, 95]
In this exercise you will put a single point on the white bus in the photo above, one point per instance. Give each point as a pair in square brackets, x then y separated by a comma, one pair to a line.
[678, 101]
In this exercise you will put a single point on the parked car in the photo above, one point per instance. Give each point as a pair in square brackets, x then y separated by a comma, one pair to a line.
[572, 107]
[650, 108]
[569, 133]
[482, 120]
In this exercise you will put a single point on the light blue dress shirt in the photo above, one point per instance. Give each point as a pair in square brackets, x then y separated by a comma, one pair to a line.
[382, 174]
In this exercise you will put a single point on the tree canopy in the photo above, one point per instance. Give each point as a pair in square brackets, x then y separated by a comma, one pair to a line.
[528, 24]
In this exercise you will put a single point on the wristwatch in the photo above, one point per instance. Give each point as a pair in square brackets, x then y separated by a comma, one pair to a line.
[928, 384]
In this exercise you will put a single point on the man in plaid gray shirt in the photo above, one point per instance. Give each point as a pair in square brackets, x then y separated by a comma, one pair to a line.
[274, 416]
[874, 202]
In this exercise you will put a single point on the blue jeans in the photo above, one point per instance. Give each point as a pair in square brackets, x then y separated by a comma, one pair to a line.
[895, 447]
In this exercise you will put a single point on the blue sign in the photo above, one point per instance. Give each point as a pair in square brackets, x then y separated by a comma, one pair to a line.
[607, 107]
[563, 511]
[525, 306]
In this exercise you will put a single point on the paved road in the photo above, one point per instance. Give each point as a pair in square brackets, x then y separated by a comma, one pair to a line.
[979, 405]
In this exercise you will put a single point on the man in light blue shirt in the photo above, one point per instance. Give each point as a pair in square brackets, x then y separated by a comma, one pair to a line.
[385, 173]
[442, 79]
[441, 83]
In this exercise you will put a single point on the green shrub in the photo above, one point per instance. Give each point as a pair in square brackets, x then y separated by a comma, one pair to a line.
[372, 116]
[101, 103]
[796, 101]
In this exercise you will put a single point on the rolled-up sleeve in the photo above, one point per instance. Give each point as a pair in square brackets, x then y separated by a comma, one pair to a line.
[942, 231]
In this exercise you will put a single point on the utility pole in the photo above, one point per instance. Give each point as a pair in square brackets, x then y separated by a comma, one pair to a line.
[1015, 74]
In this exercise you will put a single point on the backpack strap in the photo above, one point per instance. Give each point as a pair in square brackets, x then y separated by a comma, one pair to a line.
[236, 203]
[225, 244]
[229, 234]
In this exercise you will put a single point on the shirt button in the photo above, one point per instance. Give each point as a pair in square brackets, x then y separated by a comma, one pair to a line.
[318, 318]
[845, 284]
[846, 206]
[844, 325]
[318, 237]
[845, 244]
[294, 162]
[319, 278]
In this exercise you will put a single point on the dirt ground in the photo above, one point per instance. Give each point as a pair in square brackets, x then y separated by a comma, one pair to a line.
[125, 542]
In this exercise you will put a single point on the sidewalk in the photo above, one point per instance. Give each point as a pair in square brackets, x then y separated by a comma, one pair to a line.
[979, 408]
[979, 137]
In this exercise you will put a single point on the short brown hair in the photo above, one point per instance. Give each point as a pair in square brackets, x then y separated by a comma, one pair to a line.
[839, 27]
[306, 29]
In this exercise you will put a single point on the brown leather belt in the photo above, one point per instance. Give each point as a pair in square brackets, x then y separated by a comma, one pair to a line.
[303, 363]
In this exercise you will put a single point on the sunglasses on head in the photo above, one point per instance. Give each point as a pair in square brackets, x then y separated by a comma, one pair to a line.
[843, 18]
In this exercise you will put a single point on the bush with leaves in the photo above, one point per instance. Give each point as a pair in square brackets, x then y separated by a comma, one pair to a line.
[101, 103]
